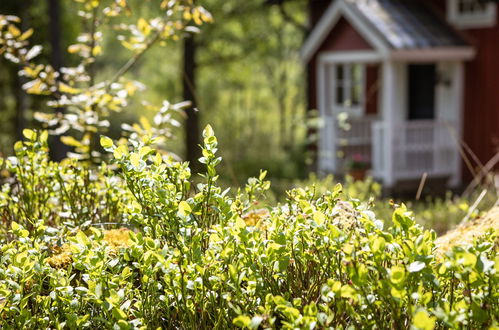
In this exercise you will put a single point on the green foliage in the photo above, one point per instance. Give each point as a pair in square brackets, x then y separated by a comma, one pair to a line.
[193, 259]
[438, 213]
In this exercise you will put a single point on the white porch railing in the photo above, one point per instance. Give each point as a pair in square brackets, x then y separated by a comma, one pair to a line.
[419, 146]
[339, 142]
[354, 139]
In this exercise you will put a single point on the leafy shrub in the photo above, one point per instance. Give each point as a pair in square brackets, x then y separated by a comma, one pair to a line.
[185, 255]
[440, 213]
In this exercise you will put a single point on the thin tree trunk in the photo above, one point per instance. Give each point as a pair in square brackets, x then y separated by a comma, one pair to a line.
[58, 150]
[22, 102]
[192, 134]
[21, 105]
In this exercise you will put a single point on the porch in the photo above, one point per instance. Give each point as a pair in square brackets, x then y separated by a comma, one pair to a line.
[416, 128]
[396, 71]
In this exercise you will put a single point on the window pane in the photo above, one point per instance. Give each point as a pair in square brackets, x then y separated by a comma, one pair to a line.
[356, 73]
[339, 73]
[356, 84]
[340, 83]
[340, 94]
[471, 7]
[356, 94]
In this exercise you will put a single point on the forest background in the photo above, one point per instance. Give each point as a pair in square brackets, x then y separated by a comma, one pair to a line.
[242, 72]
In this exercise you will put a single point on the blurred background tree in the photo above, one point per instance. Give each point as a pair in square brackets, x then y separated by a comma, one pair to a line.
[242, 74]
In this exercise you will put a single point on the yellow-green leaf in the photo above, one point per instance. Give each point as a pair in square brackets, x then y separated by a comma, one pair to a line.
[397, 274]
[184, 208]
[319, 218]
[135, 160]
[29, 134]
[106, 142]
[424, 321]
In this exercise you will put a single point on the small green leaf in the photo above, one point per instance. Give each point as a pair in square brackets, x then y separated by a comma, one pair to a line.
[106, 142]
[119, 314]
[423, 321]
[379, 244]
[319, 218]
[82, 239]
[397, 274]
[15, 226]
[242, 321]
[208, 131]
[29, 134]
[135, 160]
[184, 209]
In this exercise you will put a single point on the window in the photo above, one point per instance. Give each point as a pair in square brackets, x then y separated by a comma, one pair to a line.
[348, 88]
[471, 13]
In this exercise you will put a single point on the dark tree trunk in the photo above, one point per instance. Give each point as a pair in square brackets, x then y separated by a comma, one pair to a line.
[192, 134]
[22, 102]
[58, 150]
[21, 105]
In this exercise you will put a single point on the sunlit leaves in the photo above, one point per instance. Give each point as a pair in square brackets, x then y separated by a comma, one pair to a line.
[397, 274]
[135, 160]
[87, 102]
[184, 209]
[106, 142]
[292, 263]
[423, 321]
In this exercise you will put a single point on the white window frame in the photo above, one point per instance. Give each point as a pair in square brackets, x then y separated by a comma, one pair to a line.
[469, 20]
[353, 110]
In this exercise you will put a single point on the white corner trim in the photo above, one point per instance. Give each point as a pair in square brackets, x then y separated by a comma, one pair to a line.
[329, 20]
[360, 56]
[321, 30]
[433, 54]
[365, 30]
[479, 20]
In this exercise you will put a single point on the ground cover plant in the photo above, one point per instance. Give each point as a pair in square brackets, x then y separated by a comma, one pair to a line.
[135, 243]
[440, 213]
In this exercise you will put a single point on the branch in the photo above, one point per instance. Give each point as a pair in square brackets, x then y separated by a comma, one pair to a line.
[132, 61]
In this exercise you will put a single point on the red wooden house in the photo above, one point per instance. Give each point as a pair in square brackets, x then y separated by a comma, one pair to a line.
[415, 78]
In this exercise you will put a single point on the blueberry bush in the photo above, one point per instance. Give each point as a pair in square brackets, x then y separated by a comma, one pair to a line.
[138, 243]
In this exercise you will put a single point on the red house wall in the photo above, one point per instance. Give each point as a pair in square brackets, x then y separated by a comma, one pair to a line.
[372, 88]
[481, 90]
[481, 99]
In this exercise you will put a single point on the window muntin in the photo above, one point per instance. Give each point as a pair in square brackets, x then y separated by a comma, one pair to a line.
[471, 13]
[348, 82]
[471, 7]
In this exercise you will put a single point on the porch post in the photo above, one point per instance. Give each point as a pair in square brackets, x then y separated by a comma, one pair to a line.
[389, 119]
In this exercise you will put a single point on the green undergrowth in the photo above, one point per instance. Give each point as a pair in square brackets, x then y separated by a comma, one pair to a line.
[135, 243]
[440, 213]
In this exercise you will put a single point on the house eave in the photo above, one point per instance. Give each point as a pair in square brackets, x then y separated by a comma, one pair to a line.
[433, 54]
[337, 10]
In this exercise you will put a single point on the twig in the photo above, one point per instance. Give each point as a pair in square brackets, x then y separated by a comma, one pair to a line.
[131, 62]
[483, 172]
[474, 206]
[421, 185]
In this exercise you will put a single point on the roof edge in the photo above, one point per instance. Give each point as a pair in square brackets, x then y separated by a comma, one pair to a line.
[327, 22]
[434, 54]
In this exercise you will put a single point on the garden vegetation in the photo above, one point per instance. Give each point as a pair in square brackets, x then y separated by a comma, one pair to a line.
[137, 243]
